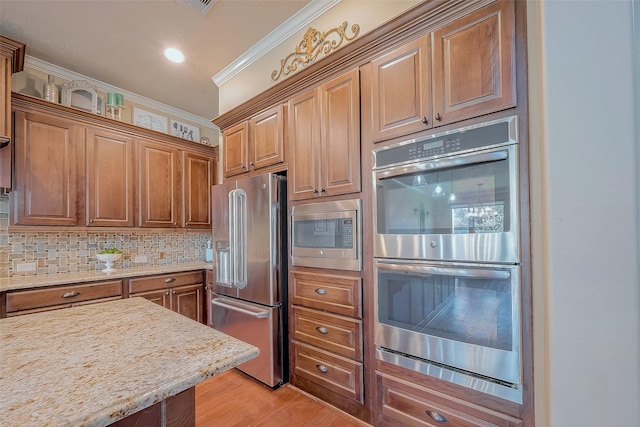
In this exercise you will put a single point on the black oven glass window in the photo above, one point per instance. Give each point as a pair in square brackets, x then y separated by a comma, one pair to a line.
[323, 233]
[465, 309]
[463, 200]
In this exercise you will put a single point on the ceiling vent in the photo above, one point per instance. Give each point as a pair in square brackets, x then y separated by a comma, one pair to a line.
[203, 6]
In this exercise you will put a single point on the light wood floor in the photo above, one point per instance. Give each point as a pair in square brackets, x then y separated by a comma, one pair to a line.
[234, 399]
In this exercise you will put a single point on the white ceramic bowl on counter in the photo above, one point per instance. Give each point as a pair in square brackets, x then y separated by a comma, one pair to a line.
[108, 259]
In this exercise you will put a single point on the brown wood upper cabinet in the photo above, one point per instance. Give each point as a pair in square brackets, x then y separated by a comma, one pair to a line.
[461, 70]
[11, 61]
[109, 175]
[46, 159]
[158, 185]
[255, 143]
[197, 181]
[324, 139]
[77, 169]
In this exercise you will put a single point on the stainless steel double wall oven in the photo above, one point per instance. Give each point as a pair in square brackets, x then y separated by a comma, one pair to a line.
[447, 256]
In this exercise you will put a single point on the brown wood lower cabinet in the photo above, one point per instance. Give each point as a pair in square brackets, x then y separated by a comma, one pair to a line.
[326, 330]
[52, 298]
[180, 292]
[401, 403]
[208, 295]
[336, 373]
[338, 334]
[175, 411]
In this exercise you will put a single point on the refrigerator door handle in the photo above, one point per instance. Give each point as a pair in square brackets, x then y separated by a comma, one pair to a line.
[259, 314]
[232, 228]
[240, 239]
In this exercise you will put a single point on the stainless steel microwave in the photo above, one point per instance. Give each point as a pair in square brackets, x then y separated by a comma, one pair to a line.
[327, 235]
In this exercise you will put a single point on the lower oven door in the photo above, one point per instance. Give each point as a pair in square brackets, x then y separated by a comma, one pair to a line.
[464, 316]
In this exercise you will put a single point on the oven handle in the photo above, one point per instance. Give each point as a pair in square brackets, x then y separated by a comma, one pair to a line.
[433, 165]
[445, 271]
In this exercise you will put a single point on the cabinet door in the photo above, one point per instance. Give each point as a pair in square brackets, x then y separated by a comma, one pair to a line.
[266, 135]
[399, 100]
[187, 300]
[161, 297]
[5, 97]
[340, 136]
[46, 170]
[235, 145]
[197, 182]
[473, 68]
[109, 177]
[304, 151]
[158, 185]
[5, 120]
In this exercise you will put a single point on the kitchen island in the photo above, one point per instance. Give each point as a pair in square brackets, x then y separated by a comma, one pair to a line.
[109, 362]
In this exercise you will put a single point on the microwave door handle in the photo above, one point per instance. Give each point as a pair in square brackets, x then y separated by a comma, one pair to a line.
[444, 271]
[435, 165]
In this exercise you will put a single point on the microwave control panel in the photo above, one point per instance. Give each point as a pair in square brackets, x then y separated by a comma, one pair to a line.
[347, 234]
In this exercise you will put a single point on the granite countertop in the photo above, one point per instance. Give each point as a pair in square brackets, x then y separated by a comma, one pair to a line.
[92, 365]
[27, 282]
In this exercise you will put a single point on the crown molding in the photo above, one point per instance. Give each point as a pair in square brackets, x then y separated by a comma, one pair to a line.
[298, 21]
[413, 23]
[63, 73]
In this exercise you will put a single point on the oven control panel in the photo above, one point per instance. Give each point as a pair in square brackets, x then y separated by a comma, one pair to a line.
[498, 132]
[435, 147]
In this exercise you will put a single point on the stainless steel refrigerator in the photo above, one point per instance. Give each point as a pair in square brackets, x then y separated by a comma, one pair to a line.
[250, 289]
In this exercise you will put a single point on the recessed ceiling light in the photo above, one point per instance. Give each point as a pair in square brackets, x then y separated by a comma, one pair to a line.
[174, 55]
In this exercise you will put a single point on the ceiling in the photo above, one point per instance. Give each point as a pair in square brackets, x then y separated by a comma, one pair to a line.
[121, 42]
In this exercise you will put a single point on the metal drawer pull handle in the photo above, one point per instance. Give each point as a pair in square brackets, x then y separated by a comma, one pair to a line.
[322, 369]
[320, 291]
[169, 280]
[322, 330]
[436, 416]
[70, 294]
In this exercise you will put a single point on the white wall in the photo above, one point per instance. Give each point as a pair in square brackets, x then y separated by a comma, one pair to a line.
[585, 214]
[256, 78]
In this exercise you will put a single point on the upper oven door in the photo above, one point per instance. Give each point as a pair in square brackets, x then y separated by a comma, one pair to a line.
[462, 207]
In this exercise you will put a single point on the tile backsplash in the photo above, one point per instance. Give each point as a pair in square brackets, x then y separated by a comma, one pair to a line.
[65, 252]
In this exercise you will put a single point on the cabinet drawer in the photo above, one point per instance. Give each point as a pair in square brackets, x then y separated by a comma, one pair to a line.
[163, 281]
[62, 295]
[337, 334]
[338, 294]
[60, 306]
[335, 373]
[404, 404]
